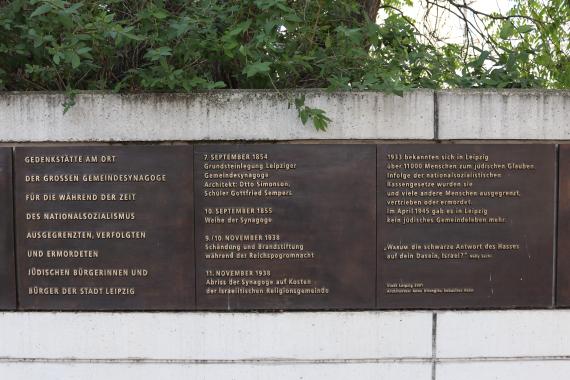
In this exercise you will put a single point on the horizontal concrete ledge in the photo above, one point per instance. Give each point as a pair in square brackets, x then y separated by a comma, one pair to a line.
[266, 361]
[307, 336]
[214, 115]
[72, 371]
[503, 114]
[227, 115]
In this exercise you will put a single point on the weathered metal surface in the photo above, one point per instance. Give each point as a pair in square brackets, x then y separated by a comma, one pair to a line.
[7, 269]
[465, 226]
[563, 265]
[105, 228]
[285, 226]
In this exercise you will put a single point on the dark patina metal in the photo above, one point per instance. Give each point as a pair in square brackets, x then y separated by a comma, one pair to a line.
[563, 271]
[7, 270]
[330, 212]
[163, 210]
[412, 275]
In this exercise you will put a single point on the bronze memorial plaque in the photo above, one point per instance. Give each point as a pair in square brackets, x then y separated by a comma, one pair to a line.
[563, 267]
[465, 226]
[7, 268]
[105, 228]
[285, 226]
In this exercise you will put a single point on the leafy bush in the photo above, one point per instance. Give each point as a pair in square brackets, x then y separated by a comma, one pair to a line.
[153, 45]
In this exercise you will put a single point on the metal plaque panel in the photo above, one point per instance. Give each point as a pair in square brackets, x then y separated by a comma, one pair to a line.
[563, 267]
[7, 268]
[105, 227]
[285, 226]
[465, 226]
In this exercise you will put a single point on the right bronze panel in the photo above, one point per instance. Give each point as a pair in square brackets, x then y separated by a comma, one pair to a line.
[563, 267]
[466, 226]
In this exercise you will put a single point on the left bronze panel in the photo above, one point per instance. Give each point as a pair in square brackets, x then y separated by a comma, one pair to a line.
[105, 228]
[7, 269]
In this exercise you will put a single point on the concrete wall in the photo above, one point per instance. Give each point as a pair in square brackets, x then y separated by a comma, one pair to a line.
[446, 345]
[219, 115]
[267, 115]
[478, 345]
[508, 114]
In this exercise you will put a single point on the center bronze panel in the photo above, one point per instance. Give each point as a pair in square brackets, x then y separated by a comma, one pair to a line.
[105, 228]
[465, 226]
[7, 268]
[285, 226]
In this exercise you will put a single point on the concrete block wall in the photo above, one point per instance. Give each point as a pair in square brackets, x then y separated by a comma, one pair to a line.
[421, 345]
[219, 115]
[218, 345]
[268, 115]
[402, 345]
[504, 115]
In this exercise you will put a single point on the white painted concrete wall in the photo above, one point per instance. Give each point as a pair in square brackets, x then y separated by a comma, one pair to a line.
[448, 345]
[522, 345]
[506, 114]
[145, 346]
[219, 115]
[267, 115]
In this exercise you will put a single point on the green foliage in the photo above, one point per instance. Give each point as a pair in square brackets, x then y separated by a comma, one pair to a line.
[159, 45]
[532, 46]
[320, 120]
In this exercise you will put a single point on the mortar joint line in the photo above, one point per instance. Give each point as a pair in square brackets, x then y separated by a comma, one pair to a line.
[434, 346]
